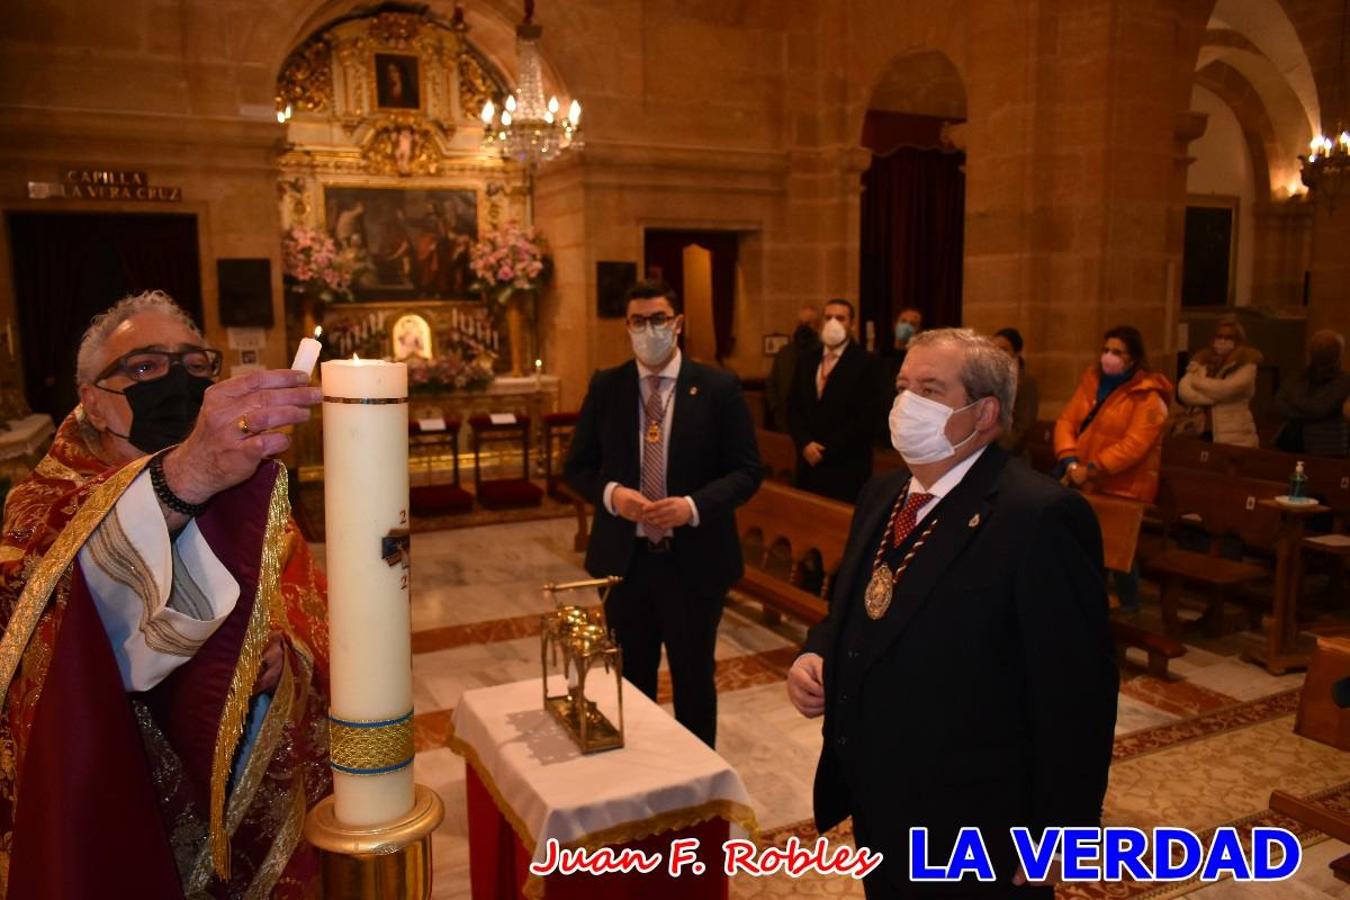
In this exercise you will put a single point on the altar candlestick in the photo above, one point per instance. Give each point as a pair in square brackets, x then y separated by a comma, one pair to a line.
[365, 457]
[307, 354]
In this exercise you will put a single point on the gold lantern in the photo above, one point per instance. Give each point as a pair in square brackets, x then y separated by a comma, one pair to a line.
[580, 639]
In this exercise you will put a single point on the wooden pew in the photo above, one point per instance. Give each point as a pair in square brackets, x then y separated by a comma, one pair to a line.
[1041, 445]
[1222, 506]
[1321, 719]
[793, 542]
[779, 455]
[1120, 521]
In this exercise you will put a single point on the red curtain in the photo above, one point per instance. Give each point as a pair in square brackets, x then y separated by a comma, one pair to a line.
[913, 222]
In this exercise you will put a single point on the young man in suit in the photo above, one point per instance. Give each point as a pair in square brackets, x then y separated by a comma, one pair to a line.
[665, 450]
[832, 410]
[966, 670]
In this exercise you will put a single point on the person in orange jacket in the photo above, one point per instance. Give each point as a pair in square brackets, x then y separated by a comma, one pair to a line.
[1109, 437]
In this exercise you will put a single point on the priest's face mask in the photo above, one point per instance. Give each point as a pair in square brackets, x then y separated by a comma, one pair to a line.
[147, 394]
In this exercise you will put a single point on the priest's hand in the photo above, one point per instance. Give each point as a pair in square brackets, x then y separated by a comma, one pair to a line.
[629, 504]
[269, 673]
[234, 432]
[806, 684]
[814, 452]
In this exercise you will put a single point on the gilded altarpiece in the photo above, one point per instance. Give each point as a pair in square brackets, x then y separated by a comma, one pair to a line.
[383, 153]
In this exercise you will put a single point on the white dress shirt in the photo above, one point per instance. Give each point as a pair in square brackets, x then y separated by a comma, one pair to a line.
[944, 485]
[159, 597]
[670, 374]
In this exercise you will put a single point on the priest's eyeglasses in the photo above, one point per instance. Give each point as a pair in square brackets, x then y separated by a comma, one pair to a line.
[656, 320]
[148, 365]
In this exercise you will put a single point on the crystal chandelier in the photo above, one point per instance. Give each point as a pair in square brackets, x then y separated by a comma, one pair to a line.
[1327, 164]
[527, 128]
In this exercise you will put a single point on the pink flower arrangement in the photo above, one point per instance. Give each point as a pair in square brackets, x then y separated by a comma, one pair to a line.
[509, 259]
[311, 261]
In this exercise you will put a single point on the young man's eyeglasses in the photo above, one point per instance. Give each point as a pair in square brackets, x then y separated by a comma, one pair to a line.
[656, 320]
[148, 365]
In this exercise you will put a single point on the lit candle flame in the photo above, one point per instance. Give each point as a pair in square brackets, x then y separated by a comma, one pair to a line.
[356, 357]
[318, 331]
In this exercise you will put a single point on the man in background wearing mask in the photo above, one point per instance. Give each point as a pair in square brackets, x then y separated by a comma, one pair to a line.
[665, 450]
[835, 400]
[805, 338]
[966, 670]
[158, 606]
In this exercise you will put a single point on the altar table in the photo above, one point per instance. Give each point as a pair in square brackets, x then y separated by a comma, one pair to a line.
[527, 782]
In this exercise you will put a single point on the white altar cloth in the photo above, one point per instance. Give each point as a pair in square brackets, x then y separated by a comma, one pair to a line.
[662, 779]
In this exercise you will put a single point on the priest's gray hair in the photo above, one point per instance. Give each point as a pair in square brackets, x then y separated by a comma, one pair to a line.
[986, 372]
[89, 362]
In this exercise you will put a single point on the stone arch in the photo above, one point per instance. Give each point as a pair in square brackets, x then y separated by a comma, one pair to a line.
[920, 82]
[491, 31]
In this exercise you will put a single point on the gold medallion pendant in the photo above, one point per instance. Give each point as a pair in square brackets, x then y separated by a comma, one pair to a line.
[878, 597]
[653, 433]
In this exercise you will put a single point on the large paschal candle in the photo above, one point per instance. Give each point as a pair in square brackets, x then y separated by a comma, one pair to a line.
[365, 463]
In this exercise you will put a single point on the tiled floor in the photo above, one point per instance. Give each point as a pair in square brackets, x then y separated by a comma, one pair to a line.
[1200, 749]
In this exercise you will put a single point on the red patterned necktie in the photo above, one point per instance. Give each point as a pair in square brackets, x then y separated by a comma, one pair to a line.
[653, 453]
[908, 517]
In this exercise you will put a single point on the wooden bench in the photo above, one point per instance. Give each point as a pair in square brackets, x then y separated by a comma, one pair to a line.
[779, 455]
[1221, 506]
[792, 542]
[1120, 521]
[1041, 445]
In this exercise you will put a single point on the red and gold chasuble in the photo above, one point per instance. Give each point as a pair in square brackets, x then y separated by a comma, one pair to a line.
[105, 793]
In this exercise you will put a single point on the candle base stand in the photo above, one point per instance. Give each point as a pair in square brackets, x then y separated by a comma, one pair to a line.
[385, 862]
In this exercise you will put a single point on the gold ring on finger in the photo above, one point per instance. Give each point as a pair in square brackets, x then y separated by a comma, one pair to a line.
[243, 425]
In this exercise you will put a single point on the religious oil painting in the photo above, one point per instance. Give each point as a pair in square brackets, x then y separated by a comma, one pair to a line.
[405, 244]
[396, 85]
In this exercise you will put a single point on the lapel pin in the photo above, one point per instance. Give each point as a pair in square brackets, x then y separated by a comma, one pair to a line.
[974, 521]
[693, 391]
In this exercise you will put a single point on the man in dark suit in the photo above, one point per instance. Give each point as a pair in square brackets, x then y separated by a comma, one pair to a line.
[832, 409]
[665, 450]
[966, 671]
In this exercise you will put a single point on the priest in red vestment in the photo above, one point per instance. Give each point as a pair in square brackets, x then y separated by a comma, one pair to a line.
[164, 655]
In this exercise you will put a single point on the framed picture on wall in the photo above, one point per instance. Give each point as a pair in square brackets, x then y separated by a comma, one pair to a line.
[396, 82]
[405, 243]
[1209, 251]
[612, 281]
[774, 342]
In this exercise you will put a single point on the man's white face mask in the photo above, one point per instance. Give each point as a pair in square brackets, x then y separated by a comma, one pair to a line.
[653, 345]
[919, 429]
[834, 333]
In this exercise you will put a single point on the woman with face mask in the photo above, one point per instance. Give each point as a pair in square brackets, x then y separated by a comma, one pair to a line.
[1109, 436]
[1218, 387]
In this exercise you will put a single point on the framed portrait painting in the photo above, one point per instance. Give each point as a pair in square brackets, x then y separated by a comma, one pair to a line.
[405, 243]
[396, 81]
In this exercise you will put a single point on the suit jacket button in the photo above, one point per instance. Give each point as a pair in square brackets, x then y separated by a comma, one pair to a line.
[843, 698]
[842, 740]
[853, 654]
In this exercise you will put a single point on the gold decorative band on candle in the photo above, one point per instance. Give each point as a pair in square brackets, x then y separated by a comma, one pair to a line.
[368, 401]
[370, 748]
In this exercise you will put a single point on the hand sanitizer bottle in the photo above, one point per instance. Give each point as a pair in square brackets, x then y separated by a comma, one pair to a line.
[1297, 482]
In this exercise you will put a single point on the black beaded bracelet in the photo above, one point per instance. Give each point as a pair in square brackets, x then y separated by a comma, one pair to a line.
[166, 494]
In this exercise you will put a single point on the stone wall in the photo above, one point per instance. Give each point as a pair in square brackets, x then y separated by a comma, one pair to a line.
[742, 115]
